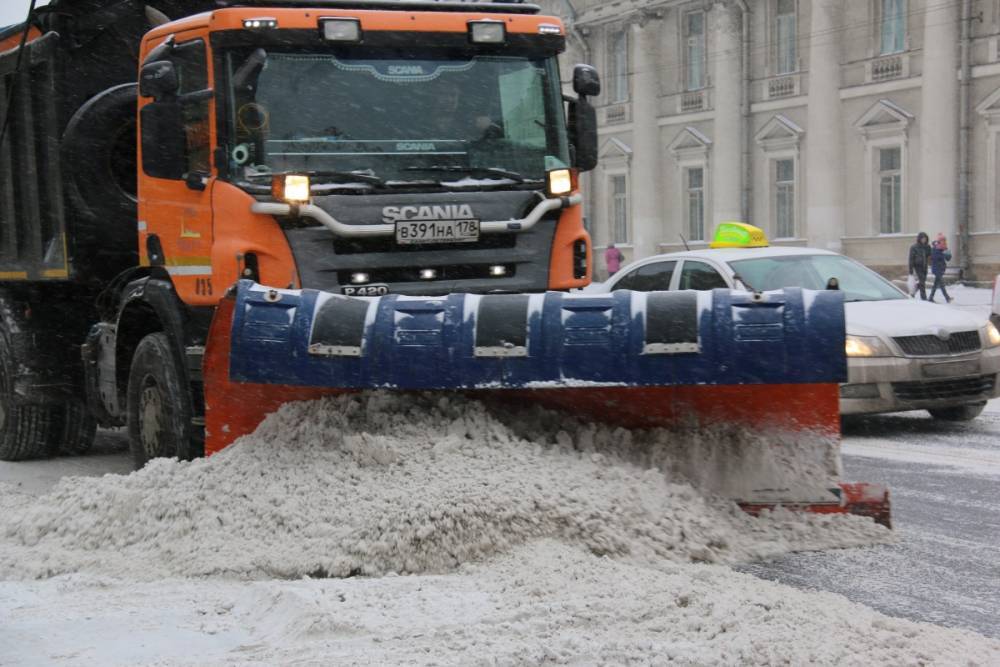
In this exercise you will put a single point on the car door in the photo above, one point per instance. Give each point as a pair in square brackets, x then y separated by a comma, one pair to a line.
[700, 275]
[178, 211]
[654, 276]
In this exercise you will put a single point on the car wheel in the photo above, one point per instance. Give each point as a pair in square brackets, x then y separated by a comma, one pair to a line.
[27, 430]
[958, 413]
[159, 404]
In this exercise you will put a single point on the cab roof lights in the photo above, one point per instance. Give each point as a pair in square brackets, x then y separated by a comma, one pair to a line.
[491, 6]
[738, 235]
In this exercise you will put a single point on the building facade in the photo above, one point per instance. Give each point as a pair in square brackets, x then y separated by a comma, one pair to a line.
[841, 124]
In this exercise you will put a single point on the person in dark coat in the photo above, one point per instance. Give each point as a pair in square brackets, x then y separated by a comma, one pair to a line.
[920, 260]
[940, 256]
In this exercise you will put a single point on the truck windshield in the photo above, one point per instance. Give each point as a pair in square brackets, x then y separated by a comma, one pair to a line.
[392, 116]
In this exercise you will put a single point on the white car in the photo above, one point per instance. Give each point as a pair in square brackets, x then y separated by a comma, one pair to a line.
[903, 354]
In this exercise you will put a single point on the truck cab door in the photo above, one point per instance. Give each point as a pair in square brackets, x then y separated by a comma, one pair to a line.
[175, 194]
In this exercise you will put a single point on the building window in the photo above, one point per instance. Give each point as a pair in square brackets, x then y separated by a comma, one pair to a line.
[694, 54]
[784, 37]
[619, 66]
[890, 199]
[694, 183]
[784, 198]
[892, 26]
[619, 209]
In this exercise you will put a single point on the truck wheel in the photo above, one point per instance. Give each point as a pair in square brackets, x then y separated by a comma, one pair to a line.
[159, 404]
[27, 430]
[79, 430]
[99, 147]
[959, 413]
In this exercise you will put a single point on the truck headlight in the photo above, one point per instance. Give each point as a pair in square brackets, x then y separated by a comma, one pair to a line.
[560, 182]
[487, 32]
[992, 335]
[341, 30]
[292, 188]
[866, 346]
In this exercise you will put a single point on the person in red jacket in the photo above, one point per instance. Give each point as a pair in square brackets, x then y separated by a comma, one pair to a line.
[613, 259]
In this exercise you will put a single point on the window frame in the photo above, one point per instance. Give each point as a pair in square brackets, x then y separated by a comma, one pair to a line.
[618, 48]
[721, 273]
[685, 44]
[686, 171]
[777, 58]
[793, 201]
[197, 108]
[895, 179]
[613, 209]
[902, 37]
[634, 273]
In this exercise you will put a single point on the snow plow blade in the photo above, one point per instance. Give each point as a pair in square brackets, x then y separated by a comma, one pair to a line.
[638, 360]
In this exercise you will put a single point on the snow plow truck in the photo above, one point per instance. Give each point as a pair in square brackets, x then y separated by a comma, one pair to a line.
[211, 207]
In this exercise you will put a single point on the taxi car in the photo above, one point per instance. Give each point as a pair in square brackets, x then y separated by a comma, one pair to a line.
[903, 354]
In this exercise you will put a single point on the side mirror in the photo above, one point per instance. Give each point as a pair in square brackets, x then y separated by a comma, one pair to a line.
[586, 81]
[163, 140]
[158, 80]
[583, 134]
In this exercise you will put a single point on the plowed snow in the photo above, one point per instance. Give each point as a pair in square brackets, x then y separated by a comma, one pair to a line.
[528, 545]
[378, 483]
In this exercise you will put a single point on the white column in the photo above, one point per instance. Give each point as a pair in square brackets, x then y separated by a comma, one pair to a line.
[727, 176]
[824, 223]
[939, 122]
[647, 221]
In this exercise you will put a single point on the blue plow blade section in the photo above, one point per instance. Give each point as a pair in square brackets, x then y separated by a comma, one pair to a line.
[309, 338]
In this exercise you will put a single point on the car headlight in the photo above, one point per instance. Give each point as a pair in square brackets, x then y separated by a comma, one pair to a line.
[992, 335]
[866, 346]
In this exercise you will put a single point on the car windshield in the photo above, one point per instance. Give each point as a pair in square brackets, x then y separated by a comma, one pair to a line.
[813, 272]
[435, 115]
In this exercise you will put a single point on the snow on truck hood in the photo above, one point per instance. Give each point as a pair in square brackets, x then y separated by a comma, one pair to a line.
[905, 317]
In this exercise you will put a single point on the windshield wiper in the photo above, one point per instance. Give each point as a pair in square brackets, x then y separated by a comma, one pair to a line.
[487, 171]
[356, 176]
[334, 176]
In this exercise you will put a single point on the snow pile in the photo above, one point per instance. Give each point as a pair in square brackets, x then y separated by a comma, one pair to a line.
[547, 603]
[377, 483]
[540, 603]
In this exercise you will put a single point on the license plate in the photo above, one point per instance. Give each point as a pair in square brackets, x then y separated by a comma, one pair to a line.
[951, 369]
[377, 289]
[437, 231]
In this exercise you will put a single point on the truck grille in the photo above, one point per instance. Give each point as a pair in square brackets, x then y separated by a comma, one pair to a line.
[957, 388]
[930, 346]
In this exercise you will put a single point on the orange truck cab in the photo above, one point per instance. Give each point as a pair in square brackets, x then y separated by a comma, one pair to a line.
[363, 148]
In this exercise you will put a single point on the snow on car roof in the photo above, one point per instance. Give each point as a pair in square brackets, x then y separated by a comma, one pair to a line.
[735, 254]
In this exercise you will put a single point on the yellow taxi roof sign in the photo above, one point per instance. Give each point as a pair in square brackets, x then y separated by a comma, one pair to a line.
[738, 235]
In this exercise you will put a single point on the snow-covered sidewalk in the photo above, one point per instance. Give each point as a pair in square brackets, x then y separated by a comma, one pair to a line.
[466, 536]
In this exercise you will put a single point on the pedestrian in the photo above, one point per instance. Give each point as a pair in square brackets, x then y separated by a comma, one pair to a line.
[920, 259]
[613, 259]
[940, 256]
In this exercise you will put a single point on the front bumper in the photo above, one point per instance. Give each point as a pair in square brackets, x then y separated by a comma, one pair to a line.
[895, 384]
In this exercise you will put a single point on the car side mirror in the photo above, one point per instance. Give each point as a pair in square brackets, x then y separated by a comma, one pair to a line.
[158, 80]
[583, 134]
[586, 81]
[163, 140]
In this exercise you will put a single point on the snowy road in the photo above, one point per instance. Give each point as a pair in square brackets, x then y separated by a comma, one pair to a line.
[114, 572]
[944, 480]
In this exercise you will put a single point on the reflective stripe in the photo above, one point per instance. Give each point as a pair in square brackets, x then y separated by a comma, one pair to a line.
[189, 270]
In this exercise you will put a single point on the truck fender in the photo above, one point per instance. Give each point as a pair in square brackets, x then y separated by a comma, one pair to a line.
[147, 305]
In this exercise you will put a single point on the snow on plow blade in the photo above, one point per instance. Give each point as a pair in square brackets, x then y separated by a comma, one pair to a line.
[639, 360]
